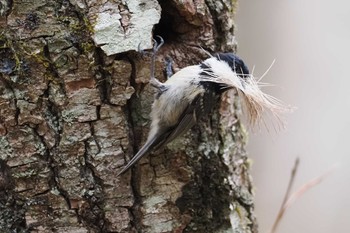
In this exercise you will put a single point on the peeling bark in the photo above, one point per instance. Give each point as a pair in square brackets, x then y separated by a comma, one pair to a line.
[71, 116]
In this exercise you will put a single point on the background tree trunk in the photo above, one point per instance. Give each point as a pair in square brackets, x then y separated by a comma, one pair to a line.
[71, 116]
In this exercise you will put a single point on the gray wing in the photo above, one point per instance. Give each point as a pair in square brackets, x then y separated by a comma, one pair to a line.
[186, 121]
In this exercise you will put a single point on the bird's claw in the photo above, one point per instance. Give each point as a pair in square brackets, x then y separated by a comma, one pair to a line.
[156, 47]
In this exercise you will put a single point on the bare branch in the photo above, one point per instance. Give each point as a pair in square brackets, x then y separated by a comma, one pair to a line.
[286, 196]
[290, 199]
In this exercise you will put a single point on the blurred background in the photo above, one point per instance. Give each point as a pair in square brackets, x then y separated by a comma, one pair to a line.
[310, 41]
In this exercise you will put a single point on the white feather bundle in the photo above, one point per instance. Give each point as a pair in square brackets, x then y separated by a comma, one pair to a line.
[257, 103]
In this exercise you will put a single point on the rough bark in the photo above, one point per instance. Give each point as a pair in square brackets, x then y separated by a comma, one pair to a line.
[71, 116]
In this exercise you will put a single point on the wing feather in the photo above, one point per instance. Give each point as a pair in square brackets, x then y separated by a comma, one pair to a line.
[186, 121]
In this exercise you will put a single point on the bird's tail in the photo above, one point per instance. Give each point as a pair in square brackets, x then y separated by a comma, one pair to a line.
[149, 145]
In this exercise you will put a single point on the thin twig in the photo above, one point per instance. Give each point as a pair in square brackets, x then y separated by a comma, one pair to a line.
[308, 186]
[290, 199]
[286, 196]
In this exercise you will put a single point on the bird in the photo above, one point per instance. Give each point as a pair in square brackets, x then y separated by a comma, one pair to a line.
[192, 92]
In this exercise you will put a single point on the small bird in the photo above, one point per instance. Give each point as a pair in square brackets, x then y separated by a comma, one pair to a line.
[192, 92]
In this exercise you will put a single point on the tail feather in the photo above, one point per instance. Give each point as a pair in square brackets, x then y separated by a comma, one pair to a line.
[143, 151]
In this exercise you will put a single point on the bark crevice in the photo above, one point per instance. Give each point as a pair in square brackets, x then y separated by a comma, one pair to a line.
[71, 116]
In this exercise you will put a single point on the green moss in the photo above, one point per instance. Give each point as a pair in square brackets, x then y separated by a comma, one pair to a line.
[19, 51]
[25, 174]
[11, 45]
[77, 26]
[88, 25]
[41, 58]
[5, 148]
[87, 47]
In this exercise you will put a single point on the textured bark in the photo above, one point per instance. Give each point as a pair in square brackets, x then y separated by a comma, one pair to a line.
[71, 116]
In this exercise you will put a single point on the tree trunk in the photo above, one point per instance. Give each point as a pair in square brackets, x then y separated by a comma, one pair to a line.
[74, 107]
